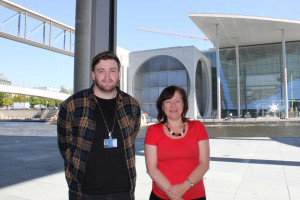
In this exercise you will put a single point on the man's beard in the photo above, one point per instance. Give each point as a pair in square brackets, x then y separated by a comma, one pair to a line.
[101, 86]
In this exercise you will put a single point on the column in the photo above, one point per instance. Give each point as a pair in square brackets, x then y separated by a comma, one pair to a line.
[237, 58]
[218, 74]
[82, 70]
[285, 75]
[96, 22]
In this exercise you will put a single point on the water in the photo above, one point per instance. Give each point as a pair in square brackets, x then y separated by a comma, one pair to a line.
[282, 129]
[285, 129]
[28, 129]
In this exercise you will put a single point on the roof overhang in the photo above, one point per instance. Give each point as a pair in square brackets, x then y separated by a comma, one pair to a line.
[246, 30]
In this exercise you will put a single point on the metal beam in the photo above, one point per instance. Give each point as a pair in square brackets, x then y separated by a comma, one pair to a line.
[24, 37]
[36, 44]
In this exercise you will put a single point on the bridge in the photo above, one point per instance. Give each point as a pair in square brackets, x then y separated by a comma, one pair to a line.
[33, 92]
[47, 33]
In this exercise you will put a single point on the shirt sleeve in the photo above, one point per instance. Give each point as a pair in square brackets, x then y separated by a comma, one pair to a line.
[151, 136]
[201, 130]
[63, 129]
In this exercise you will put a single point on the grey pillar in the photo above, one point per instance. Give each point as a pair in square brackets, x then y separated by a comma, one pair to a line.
[285, 75]
[95, 33]
[82, 45]
[237, 58]
[104, 26]
[218, 73]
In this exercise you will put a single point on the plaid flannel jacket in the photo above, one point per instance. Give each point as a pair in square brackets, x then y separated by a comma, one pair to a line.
[75, 130]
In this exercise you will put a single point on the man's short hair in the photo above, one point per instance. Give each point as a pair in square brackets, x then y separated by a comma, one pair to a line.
[107, 55]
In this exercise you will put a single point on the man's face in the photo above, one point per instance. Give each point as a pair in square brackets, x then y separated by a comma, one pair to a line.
[106, 75]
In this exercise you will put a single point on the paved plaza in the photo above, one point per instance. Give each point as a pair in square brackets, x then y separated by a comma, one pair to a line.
[259, 168]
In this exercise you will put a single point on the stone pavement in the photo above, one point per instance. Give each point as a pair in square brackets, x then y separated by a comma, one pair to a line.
[241, 169]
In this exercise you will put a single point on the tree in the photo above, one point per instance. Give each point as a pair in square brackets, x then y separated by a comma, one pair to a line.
[64, 90]
[7, 101]
[34, 101]
[2, 96]
[51, 102]
[20, 98]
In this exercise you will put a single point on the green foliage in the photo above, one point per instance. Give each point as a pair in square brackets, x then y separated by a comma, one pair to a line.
[34, 101]
[51, 102]
[66, 91]
[7, 101]
[20, 98]
[2, 97]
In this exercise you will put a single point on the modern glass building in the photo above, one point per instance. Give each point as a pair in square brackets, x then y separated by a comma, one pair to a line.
[261, 79]
[254, 67]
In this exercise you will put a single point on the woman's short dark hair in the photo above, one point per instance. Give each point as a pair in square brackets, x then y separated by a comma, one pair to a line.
[106, 55]
[168, 93]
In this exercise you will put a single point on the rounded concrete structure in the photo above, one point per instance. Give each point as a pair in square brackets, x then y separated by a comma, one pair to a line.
[187, 60]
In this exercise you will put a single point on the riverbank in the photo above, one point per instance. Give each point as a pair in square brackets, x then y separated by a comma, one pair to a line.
[24, 120]
[215, 129]
[25, 115]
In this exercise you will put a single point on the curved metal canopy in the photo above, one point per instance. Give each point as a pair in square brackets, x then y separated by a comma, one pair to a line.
[249, 30]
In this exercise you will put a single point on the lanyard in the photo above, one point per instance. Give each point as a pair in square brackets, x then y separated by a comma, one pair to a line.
[109, 132]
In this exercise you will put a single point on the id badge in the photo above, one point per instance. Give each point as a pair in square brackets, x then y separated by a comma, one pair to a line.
[111, 143]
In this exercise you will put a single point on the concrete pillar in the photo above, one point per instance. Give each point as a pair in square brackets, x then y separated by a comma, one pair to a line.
[104, 26]
[286, 101]
[82, 45]
[237, 58]
[95, 33]
[218, 74]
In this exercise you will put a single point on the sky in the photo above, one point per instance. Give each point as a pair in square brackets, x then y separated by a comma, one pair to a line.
[30, 66]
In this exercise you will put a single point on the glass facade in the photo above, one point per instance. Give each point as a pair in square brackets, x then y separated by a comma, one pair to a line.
[261, 79]
[153, 76]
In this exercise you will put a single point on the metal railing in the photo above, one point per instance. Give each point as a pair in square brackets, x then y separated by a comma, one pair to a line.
[46, 33]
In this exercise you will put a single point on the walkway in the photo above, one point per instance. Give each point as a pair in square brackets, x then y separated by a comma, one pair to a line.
[241, 169]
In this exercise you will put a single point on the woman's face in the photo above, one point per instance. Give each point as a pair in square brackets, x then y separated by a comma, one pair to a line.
[173, 107]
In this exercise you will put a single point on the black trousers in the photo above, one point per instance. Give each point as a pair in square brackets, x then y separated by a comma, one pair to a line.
[154, 197]
[114, 196]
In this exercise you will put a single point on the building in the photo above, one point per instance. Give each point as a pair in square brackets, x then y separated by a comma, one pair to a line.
[151, 71]
[123, 55]
[3, 80]
[258, 69]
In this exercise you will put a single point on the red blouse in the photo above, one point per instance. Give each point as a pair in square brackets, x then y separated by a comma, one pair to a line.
[177, 158]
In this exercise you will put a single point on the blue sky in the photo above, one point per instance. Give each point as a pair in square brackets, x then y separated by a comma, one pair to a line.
[31, 66]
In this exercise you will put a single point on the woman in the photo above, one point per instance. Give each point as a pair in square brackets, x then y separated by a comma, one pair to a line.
[176, 150]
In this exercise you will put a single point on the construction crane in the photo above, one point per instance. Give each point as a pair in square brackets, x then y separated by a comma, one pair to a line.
[172, 33]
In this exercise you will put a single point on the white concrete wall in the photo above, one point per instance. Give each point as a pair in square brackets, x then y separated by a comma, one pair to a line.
[123, 55]
[189, 57]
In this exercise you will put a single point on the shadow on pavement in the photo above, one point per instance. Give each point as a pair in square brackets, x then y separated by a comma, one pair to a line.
[24, 158]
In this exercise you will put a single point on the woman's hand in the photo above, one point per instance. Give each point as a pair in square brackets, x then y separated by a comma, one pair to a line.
[176, 192]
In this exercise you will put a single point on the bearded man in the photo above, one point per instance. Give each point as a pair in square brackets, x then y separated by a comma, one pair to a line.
[96, 131]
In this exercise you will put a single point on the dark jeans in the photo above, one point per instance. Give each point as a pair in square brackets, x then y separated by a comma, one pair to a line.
[114, 196]
[154, 197]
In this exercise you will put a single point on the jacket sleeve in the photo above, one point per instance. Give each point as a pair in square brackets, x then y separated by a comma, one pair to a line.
[137, 120]
[64, 129]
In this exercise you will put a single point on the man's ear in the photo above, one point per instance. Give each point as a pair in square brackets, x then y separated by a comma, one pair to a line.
[93, 75]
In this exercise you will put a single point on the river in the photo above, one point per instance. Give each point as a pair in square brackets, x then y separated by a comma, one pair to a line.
[286, 129]
[28, 129]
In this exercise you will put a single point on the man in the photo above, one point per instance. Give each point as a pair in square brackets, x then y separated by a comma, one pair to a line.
[96, 130]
